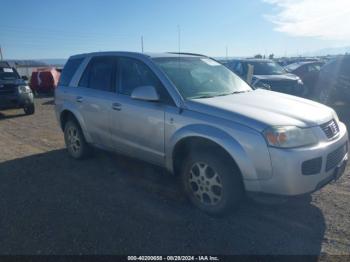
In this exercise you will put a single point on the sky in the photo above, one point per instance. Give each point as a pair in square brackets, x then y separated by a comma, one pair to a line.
[57, 29]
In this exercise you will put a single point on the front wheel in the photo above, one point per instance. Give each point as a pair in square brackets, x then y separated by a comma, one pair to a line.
[29, 109]
[212, 183]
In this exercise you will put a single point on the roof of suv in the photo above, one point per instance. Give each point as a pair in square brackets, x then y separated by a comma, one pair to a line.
[252, 60]
[150, 55]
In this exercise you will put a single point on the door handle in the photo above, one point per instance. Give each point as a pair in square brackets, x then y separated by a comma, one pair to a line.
[79, 99]
[116, 106]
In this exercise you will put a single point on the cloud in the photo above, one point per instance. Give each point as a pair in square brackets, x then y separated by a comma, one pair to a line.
[324, 19]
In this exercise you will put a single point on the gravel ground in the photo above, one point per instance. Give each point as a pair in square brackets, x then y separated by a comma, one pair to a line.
[109, 204]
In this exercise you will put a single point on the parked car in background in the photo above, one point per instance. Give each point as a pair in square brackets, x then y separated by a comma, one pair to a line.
[14, 91]
[292, 60]
[308, 73]
[334, 81]
[267, 74]
[193, 116]
[44, 80]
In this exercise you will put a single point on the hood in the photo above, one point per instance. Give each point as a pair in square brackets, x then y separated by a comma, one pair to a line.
[260, 109]
[283, 77]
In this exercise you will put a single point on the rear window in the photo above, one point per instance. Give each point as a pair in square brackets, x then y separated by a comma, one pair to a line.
[69, 70]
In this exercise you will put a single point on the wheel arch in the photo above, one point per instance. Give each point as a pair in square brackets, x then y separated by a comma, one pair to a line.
[183, 139]
[69, 113]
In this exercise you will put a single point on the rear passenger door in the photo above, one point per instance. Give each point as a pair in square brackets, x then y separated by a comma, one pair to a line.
[95, 98]
[138, 126]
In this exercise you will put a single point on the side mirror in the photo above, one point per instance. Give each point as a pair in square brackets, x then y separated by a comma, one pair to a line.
[145, 93]
[25, 78]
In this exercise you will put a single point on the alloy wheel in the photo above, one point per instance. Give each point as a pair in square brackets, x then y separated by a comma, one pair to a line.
[73, 138]
[205, 183]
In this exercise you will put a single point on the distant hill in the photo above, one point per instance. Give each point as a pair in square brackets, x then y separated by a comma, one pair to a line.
[26, 63]
[37, 62]
[54, 61]
[329, 51]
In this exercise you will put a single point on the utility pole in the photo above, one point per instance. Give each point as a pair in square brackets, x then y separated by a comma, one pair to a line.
[179, 37]
[1, 57]
[142, 43]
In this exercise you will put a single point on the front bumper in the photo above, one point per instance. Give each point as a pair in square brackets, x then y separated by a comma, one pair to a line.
[288, 178]
[16, 100]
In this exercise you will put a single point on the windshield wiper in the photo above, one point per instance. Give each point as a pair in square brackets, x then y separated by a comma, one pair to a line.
[220, 94]
[234, 92]
[239, 92]
[202, 96]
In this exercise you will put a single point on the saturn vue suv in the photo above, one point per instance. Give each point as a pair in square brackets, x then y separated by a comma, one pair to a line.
[196, 118]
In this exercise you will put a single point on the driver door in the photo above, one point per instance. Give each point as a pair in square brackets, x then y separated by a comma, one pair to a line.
[137, 126]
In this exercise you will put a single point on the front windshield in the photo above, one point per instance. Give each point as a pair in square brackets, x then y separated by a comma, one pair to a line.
[199, 77]
[267, 68]
[292, 67]
[8, 73]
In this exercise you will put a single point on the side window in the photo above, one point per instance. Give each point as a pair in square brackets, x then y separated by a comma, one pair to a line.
[231, 65]
[134, 73]
[99, 74]
[313, 68]
[239, 68]
[69, 70]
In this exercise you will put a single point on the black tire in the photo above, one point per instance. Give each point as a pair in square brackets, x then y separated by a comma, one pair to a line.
[218, 170]
[75, 141]
[29, 109]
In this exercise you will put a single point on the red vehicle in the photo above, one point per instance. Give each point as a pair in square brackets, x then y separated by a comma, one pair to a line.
[44, 80]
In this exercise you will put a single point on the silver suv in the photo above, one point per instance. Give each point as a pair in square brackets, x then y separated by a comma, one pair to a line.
[193, 116]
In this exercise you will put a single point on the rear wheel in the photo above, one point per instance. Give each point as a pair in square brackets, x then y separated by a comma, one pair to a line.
[75, 141]
[29, 109]
[211, 183]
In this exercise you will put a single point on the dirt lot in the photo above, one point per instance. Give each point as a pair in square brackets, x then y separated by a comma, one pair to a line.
[109, 204]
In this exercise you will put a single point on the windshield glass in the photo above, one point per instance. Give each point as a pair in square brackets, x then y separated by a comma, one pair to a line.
[199, 77]
[8, 73]
[292, 67]
[267, 68]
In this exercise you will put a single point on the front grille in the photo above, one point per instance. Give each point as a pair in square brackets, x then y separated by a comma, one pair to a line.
[331, 129]
[334, 158]
[7, 89]
[312, 166]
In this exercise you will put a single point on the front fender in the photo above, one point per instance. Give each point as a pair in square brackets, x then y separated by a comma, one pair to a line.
[69, 107]
[218, 136]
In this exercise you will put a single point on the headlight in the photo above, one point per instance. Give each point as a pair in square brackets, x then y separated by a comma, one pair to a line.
[300, 82]
[336, 118]
[24, 89]
[261, 85]
[289, 136]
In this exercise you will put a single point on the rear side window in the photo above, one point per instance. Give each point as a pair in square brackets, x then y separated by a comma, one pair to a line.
[69, 70]
[100, 74]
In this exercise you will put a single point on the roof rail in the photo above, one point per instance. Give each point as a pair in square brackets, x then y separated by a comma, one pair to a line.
[182, 53]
